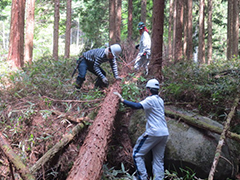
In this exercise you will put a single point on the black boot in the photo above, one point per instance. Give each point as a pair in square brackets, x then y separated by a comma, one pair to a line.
[79, 82]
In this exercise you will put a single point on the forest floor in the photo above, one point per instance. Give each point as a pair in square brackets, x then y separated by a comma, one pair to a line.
[31, 128]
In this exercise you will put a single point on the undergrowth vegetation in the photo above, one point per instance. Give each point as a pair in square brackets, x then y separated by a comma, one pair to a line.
[209, 89]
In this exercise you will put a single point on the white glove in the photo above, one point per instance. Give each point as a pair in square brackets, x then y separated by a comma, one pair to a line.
[118, 78]
[105, 80]
[119, 95]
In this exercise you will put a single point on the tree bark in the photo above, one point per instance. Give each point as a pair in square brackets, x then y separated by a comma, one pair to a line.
[199, 124]
[222, 139]
[201, 51]
[210, 5]
[179, 31]
[143, 10]
[190, 31]
[15, 159]
[229, 29]
[170, 22]
[68, 29]
[185, 29]
[235, 36]
[88, 165]
[50, 154]
[56, 29]
[118, 21]
[157, 39]
[112, 28]
[174, 29]
[16, 44]
[130, 20]
[28, 51]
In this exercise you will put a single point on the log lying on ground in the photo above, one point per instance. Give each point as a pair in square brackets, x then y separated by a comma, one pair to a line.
[14, 159]
[89, 163]
[197, 123]
[222, 138]
[50, 154]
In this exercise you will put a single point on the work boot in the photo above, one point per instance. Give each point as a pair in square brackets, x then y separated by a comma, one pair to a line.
[79, 82]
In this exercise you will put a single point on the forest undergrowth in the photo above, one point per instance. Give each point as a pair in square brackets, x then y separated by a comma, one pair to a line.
[28, 98]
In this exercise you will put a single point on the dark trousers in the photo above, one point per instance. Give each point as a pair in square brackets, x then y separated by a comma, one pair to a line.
[85, 66]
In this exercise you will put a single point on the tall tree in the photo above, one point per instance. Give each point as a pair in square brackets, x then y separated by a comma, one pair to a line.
[112, 28]
[185, 25]
[190, 32]
[56, 29]
[16, 44]
[28, 51]
[235, 34]
[174, 28]
[130, 19]
[143, 10]
[157, 39]
[118, 20]
[201, 36]
[229, 29]
[68, 29]
[209, 49]
[179, 31]
[170, 21]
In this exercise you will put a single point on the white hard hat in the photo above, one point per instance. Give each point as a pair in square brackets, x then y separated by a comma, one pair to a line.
[152, 83]
[116, 49]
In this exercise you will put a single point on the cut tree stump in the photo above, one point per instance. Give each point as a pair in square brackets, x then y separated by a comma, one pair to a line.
[92, 154]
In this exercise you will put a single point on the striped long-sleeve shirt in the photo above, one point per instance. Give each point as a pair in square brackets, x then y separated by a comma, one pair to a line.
[97, 57]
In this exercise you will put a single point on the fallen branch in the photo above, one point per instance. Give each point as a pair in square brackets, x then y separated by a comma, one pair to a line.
[50, 154]
[15, 159]
[222, 138]
[73, 101]
[200, 124]
[70, 118]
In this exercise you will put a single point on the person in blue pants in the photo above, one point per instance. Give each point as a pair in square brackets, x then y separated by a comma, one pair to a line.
[91, 61]
[156, 134]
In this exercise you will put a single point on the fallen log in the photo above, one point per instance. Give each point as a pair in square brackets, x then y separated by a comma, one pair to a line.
[191, 120]
[222, 139]
[92, 154]
[50, 154]
[15, 159]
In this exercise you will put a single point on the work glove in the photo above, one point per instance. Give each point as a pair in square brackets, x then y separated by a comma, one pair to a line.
[119, 95]
[105, 80]
[137, 46]
[118, 78]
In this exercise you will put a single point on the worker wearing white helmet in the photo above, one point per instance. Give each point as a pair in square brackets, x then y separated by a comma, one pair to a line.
[155, 137]
[91, 61]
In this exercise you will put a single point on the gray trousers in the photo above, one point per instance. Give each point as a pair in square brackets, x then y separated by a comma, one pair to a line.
[145, 144]
[142, 61]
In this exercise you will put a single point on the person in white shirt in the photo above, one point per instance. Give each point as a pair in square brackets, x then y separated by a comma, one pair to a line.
[143, 57]
[156, 134]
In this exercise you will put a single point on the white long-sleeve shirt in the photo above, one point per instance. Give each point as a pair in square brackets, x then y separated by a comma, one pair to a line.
[145, 44]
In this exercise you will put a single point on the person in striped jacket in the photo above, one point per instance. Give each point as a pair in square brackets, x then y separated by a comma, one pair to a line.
[91, 61]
